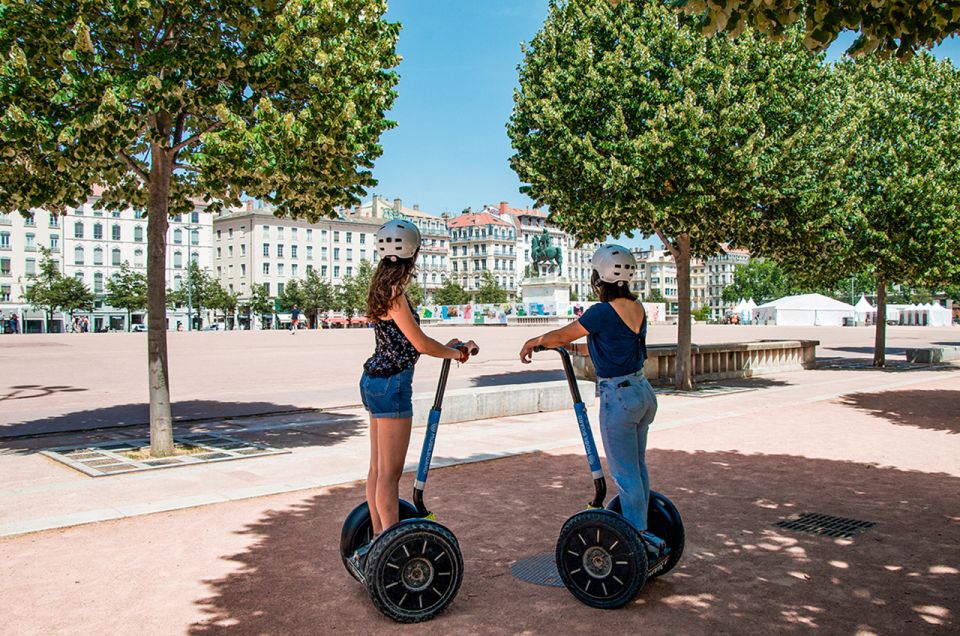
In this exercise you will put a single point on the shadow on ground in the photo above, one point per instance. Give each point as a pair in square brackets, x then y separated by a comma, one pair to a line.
[739, 570]
[937, 410]
[31, 391]
[519, 377]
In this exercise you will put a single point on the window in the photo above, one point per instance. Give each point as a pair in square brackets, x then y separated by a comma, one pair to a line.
[293, 269]
[280, 231]
[178, 218]
[309, 268]
[30, 219]
[138, 234]
[218, 234]
[195, 217]
[4, 240]
[54, 220]
[4, 266]
[309, 252]
[97, 212]
[309, 234]
[98, 256]
[293, 233]
[115, 256]
[178, 236]
[230, 232]
[195, 257]
[336, 253]
[349, 271]
[219, 271]
[349, 237]
[98, 283]
[336, 236]
[194, 237]
[79, 276]
[138, 258]
[266, 288]
[363, 238]
[229, 250]
[115, 232]
[78, 255]
[218, 252]
[266, 249]
[31, 242]
[5, 293]
[279, 250]
[115, 214]
[266, 230]
[243, 269]
[336, 271]
[293, 251]
[266, 269]
[363, 255]
[349, 253]
[243, 249]
[97, 231]
[178, 259]
[323, 234]
[323, 271]
[279, 289]
[279, 269]
[31, 266]
[323, 252]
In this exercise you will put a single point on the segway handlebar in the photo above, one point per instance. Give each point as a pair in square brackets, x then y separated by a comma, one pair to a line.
[589, 445]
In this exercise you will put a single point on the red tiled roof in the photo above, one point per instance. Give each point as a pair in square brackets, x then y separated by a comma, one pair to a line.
[474, 219]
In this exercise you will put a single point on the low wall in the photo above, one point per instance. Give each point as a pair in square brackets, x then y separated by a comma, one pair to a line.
[464, 405]
[719, 361]
[933, 355]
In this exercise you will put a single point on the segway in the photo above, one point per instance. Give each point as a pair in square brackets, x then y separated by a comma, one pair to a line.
[414, 569]
[601, 557]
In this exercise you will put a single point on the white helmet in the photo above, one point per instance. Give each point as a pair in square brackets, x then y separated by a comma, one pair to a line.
[398, 239]
[614, 264]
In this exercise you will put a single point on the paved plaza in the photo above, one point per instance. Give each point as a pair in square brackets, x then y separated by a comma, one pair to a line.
[250, 546]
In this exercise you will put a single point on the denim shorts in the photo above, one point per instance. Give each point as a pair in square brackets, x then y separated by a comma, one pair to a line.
[390, 396]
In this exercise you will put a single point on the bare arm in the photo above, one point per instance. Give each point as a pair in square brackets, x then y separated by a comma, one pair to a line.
[556, 338]
[400, 313]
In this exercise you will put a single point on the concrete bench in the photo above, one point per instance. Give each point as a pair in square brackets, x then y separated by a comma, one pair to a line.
[464, 405]
[930, 355]
[719, 361]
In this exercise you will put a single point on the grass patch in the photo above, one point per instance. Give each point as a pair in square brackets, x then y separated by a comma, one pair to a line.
[178, 449]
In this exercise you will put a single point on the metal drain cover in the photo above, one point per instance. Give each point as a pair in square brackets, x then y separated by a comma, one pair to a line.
[826, 525]
[540, 569]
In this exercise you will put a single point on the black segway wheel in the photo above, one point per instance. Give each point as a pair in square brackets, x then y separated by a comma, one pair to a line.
[663, 520]
[414, 570]
[357, 530]
[601, 559]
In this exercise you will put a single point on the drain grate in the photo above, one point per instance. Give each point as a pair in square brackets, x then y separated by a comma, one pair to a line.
[540, 569]
[826, 525]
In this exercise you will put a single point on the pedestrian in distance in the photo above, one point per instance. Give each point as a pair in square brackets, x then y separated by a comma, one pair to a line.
[386, 386]
[616, 331]
[294, 319]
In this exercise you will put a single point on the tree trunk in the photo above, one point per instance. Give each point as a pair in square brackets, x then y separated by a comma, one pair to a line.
[880, 340]
[161, 421]
[683, 378]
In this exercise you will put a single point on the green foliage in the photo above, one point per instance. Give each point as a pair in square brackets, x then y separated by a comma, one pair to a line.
[489, 291]
[259, 302]
[884, 26]
[415, 293]
[452, 293]
[702, 314]
[654, 296]
[51, 291]
[290, 296]
[351, 296]
[316, 294]
[127, 289]
[762, 280]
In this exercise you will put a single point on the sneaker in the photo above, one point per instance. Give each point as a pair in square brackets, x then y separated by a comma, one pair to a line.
[358, 561]
[657, 548]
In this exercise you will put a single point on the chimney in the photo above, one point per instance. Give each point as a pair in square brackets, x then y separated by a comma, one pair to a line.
[250, 205]
[416, 206]
[398, 205]
[503, 207]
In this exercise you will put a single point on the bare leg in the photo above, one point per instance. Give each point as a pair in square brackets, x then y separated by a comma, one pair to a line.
[372, 474]
[393, 439]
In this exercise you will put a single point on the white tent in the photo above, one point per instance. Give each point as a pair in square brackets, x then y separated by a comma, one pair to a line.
[865, 311]
[803, 310]
[746, 315]
[939, 316]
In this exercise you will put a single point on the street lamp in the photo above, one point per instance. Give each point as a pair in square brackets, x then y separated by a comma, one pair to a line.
[190, 261]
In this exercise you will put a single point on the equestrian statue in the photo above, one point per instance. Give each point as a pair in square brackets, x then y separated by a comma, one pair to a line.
[544, 257]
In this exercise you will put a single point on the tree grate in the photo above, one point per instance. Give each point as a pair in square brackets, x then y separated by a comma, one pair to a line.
[540, 569]
[826, 525]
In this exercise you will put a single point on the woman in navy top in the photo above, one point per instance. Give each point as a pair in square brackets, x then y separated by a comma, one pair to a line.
[616, 331]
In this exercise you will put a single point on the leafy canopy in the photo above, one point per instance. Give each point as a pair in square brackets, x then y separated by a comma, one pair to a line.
[51, 291]
[127, 289]
[451, 293]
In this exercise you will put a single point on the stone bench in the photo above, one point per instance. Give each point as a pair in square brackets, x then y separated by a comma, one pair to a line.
[464, 405]
[931, 355]
[719, 361]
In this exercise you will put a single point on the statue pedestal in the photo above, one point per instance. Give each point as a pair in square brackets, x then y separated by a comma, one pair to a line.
[546, 290]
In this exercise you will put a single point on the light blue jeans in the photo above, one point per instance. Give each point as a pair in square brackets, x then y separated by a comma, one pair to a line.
[627, 408]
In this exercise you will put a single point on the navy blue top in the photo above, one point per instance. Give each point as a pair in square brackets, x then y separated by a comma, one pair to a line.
[614, 348]
[394, 353]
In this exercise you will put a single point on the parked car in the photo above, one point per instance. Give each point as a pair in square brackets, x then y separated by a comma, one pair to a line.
[216, 326]
[138, 327]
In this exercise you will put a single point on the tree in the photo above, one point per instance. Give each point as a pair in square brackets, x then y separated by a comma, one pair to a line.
[452, 293]
[655, 296]
[351, 296]
[761, 279]
[884, 26]
[415, 293]
[127, 289]
[51, 291]
[702, 314]
[166, 103]
[628, 120]
[903, 223]
[290, 296]
[258, 303]
[197, 292]
[490, 290]
[316, 295]
[218, 298]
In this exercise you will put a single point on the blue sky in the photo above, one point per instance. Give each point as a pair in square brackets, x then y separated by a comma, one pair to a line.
[450, 148]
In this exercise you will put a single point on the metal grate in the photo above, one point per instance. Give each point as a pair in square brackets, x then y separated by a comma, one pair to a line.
[826, 525]
[540, 569]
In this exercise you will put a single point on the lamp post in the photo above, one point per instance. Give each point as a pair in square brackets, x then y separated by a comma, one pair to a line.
[190, 228]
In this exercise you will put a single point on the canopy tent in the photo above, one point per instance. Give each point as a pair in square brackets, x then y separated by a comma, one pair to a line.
[746, 314]
[939, 316]
[866, 313]
[803, 310]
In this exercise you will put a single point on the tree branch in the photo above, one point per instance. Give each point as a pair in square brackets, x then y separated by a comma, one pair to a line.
[137, 170]
[178, 128]
[673, 250]
[186, 142]
[183, 166]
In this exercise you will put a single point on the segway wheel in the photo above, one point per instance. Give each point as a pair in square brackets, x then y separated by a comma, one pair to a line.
[663, 520]
[414, 571]
[357, 530]
[601, 559]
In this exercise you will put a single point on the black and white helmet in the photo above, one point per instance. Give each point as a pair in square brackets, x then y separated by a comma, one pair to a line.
[614, 264]
[398, 239]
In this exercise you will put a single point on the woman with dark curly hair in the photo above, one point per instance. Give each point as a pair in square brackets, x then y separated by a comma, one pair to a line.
[386, 386]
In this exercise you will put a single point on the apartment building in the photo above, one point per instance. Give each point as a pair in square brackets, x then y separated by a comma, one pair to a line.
[20, 241]
[479, 242]
[656, 269]
[719, 270]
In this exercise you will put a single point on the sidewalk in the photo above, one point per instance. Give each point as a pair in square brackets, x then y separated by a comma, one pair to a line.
[870, 445]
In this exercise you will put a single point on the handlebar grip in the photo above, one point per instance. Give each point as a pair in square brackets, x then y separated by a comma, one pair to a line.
[539, 348]
[474, 350]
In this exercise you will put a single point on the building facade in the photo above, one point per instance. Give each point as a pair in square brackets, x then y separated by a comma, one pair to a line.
[719, 270]
[483, 242]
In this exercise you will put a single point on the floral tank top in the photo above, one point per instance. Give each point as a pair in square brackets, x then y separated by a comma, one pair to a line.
[394, 353]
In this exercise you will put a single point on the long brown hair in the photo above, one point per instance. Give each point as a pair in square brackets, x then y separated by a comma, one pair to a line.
[608, 291]
[389, 281]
